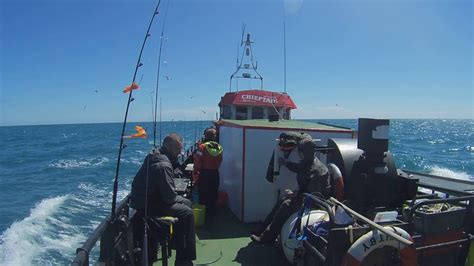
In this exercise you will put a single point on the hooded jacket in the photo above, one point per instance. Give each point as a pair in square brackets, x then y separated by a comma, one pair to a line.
[311, 174]
[161, 187]
[208, 156]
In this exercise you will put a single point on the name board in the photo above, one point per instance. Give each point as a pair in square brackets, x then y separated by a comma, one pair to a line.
[257, 98]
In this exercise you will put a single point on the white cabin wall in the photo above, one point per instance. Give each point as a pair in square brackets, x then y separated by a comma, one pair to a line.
[260, 195]
[230, 170]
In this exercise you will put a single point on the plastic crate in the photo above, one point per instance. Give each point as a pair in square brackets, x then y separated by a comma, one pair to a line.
[433, 223]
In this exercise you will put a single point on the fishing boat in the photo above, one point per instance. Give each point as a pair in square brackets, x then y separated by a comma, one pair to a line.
[378, 214]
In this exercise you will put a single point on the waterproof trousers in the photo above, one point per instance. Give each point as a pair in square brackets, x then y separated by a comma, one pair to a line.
[275, 220]
[183, 231]
[208, 188]
[184, 234]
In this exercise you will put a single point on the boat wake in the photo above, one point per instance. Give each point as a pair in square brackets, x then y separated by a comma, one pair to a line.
[440, 171]
[43, 230]
[56, 227]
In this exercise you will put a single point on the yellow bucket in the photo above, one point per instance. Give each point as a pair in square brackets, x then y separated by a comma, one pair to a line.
[199, 214]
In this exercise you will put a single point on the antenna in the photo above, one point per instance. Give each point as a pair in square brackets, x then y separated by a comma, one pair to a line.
[243, 33]
[237, 57]
[246, 63]
[284, 55]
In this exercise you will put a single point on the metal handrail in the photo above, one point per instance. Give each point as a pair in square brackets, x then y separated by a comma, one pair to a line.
[82, 253]
[322, 203]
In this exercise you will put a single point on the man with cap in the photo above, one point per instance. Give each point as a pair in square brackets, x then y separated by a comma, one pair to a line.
[154, 194]
[207, 159]
[312, 177]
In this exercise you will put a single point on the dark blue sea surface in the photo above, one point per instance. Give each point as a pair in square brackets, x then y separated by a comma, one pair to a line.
[56, 181]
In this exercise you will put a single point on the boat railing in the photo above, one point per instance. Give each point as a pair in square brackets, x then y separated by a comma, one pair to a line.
[447, 185]
[82, 253]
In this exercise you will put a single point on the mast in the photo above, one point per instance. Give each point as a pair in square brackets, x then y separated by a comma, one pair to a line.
[284, 55]
[246, 63]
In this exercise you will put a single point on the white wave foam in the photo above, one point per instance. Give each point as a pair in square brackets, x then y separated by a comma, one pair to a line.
[74, 163]
[50, 234]
[439, 171]
[436, 141]
[133, 160]
[140, 152]
[24, 241]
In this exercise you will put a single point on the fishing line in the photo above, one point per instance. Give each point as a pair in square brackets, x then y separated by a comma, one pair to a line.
[145, 234]
[130, 99]
[210, 262]
[145, 224]
[158, 75]
[160, 122]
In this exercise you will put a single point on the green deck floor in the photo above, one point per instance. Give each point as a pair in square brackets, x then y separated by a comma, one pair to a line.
[226, 235]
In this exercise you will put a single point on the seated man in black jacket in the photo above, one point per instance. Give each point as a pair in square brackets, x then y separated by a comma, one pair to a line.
[159, 196]
[312, 177]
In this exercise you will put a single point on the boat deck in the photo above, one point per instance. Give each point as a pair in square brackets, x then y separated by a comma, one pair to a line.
[225, 241]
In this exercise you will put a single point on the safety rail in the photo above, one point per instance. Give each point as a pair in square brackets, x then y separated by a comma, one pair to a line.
[82, 253]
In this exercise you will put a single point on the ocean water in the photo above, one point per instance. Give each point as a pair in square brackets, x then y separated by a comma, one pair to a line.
[56, 181]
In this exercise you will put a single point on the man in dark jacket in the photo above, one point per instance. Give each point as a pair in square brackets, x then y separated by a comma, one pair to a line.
[159, 197]
[312, 177]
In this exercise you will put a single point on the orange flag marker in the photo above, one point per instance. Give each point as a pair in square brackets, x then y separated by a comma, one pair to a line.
[132, 87]
[141, 133]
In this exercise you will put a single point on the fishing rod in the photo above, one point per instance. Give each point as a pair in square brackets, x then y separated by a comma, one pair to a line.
[145, 225]
[130, 99]
[160, 122]
[158, 76]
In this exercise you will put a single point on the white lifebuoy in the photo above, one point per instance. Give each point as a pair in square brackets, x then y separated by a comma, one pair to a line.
[377, 239]
[291, 244]
[337, 181]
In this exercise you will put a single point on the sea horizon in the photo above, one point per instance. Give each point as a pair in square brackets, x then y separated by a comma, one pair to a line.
[204, 120]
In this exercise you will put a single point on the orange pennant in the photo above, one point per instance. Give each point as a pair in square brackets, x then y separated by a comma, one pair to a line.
[141, 133]
[134, 86]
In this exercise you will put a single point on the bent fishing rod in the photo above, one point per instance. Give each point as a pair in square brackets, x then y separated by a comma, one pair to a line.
[130, 99]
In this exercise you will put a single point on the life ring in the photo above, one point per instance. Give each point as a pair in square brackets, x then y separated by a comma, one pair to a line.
[376, 239]
[289, 245]
[337, 181]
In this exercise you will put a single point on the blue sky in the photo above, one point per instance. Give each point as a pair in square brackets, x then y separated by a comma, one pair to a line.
[345, 59]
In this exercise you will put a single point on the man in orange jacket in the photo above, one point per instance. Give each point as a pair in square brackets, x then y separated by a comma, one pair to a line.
[207, 159]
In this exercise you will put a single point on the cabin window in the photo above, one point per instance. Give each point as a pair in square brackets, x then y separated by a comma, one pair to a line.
[272, 111]
[241, 112]
[257, 113]
[287, 113]
[225, 112]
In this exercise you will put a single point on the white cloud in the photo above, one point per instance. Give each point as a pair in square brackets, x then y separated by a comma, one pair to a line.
[292, 6]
